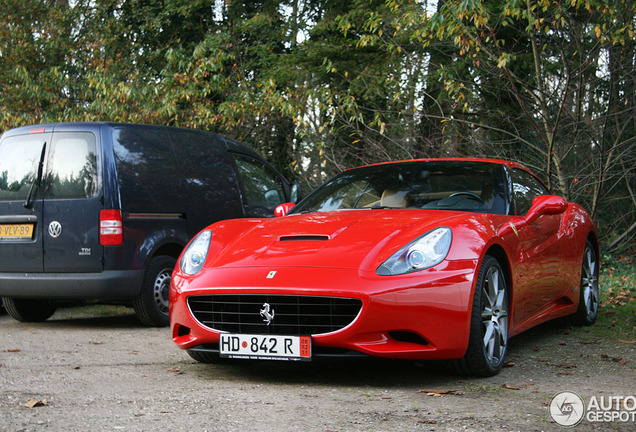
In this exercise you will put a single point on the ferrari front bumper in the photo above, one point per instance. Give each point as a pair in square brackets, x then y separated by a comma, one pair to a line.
[422, 315]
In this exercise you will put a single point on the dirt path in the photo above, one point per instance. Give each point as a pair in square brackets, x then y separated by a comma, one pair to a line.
[109, 373]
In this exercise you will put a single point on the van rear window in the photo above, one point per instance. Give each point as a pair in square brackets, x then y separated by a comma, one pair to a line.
[72, 166]
[19, 159]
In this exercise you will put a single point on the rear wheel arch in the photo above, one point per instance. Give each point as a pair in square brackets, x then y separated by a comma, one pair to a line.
[172, 249]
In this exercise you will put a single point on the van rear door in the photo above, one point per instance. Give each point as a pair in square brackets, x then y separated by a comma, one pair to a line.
[21, 158]
[71, 205]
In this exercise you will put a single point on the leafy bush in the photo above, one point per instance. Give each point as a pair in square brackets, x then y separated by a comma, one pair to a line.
[618, 296]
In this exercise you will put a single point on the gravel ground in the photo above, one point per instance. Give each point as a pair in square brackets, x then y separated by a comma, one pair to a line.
[96, 369]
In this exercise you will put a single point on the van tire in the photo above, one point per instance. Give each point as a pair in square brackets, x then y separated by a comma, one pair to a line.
[29, 310]
[151, 305]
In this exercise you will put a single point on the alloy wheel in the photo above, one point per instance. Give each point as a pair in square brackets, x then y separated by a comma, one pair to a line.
[494, 316]
[589, 282]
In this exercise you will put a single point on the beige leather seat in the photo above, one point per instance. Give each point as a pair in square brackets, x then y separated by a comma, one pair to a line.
[394, 198]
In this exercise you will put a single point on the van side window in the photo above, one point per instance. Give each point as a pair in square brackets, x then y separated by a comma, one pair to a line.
[72, 166]
[525, 188]
[19, 159]
[205, 168]
[262, 187]
[148, 177]
[209, 180]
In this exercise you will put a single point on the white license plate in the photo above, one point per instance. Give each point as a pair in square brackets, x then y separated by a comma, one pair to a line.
[264, 347]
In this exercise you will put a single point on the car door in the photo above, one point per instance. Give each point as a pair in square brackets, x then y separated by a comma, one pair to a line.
[21, 161]
[71, 204]
[538, 266]
[263, 188]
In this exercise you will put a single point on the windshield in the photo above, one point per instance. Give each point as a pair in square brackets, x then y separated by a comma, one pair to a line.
[442, 185]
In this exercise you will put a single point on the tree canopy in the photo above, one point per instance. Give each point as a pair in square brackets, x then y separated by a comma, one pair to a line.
[321, 85]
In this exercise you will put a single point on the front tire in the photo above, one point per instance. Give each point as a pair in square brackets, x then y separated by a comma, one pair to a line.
[205, 357]
[151, 305]
[488, 340]
[29, 310]
[588, 293]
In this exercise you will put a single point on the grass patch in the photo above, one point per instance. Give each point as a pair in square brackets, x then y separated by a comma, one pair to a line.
[617, 308]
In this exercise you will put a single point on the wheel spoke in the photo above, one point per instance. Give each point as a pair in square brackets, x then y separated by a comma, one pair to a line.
[496, 354]
[591, 263]
[586, 296]
[491, 349]
[499, 304]
[592, 302]
[490, 329]
[493, 286]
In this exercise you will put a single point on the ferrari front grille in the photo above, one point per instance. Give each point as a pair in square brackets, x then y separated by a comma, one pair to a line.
[274, 314]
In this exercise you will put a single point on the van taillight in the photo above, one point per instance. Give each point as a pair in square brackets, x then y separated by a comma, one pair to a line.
[111, 232]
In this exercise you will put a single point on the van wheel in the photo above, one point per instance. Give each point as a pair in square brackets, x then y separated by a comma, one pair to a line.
[151, 305]
[29, 310]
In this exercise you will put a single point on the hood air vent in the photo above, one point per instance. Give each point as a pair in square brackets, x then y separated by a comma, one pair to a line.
[305, 238]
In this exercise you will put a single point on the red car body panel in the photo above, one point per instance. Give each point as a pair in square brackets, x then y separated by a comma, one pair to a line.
[336, 254]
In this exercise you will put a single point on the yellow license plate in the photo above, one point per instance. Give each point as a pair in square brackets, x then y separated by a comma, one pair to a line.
[16, 231]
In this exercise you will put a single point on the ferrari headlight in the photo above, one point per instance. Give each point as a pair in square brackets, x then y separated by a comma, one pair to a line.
[422, 253]
[194, 256]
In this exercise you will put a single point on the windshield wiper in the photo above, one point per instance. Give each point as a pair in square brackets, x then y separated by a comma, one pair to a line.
[384, 207]
[36, 181]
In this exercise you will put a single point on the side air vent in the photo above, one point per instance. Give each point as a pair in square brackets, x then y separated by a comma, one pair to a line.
[305, 238]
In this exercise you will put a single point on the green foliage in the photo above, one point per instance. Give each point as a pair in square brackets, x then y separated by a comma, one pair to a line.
[321, 85]
[617, 279]
[617, 312]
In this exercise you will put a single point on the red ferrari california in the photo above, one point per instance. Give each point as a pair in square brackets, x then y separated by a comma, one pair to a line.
[420, 259]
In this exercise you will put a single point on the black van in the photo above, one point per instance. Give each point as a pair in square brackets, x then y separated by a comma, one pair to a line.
[101, 211]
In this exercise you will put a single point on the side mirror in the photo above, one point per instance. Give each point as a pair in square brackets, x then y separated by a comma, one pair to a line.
[282, 209]
[545, 205]
[296, 193]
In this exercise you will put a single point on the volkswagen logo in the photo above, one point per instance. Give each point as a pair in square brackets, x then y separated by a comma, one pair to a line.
[55, 229]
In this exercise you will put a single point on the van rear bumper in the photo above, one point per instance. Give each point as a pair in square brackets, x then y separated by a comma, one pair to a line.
[110, 284]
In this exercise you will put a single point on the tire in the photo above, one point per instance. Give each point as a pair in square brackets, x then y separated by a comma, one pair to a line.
[488, 340]
[151, 305]
[205, 357]
[29, 310]
[588, 292]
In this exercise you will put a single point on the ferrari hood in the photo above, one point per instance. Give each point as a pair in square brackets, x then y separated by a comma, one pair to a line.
[360, 239]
